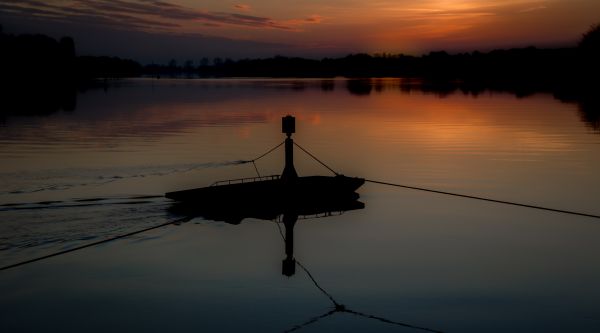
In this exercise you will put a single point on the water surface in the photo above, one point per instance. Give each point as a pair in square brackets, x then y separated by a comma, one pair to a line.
[422, 259]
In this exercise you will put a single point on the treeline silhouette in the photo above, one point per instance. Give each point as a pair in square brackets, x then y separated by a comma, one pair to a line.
[523, 66]
[40, 58]
[44, 58]
[515, 64]
[41, 74]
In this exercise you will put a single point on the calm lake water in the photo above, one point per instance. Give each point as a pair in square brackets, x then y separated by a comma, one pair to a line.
[442, 263]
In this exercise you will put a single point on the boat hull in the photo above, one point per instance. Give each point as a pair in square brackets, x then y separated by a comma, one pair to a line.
[273, 191]
[268, 199]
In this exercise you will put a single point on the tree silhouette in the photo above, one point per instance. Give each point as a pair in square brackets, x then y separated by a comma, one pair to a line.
[188, 65]
[590, 41]
[589, 47]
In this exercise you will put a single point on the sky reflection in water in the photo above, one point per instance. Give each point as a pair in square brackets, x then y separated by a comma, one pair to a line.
[449, 264]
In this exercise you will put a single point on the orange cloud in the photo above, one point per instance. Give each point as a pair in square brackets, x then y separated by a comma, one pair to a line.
[532, 9]
[314, 19]
[242, 7]
[297, 23]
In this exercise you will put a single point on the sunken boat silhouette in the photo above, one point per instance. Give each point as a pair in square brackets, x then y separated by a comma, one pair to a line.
[270, 196]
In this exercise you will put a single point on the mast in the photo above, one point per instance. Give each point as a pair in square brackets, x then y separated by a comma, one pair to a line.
[288, 126]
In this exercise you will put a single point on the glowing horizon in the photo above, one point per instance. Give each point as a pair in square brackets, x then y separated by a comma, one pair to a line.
[331, 27]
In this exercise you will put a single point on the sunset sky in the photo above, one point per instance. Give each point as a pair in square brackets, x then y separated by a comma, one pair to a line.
[148, 30]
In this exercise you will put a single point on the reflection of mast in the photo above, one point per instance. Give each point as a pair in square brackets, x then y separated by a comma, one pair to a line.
[288, 266]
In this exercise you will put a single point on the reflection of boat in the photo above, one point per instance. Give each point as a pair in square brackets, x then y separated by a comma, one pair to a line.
[275, 190]
[287, 210]
[316, 206]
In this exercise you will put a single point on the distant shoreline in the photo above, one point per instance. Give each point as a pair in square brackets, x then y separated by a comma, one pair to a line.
[49, 60]
[40, 74]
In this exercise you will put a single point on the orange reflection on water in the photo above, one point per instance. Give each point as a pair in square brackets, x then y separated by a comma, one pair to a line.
[380, 128]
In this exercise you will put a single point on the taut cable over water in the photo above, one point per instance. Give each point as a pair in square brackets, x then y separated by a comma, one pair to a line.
[505, 202]
[55, 254]
[291, 207]
[555, 210]
[467, 196]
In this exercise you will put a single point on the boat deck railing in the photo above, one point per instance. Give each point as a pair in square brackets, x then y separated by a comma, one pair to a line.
[279, 219]
[245, 180]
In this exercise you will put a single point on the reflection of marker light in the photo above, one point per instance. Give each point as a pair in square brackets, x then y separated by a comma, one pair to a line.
[288, 266]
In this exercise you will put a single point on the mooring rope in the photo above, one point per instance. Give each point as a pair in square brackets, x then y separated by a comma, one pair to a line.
[316, 159]
[55, 254]
[505, 202]
[468, 196]
[265, 154]
[253, 161]
[255, 168]
[485, 199]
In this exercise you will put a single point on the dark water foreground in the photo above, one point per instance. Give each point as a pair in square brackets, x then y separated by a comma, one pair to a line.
[407, 258]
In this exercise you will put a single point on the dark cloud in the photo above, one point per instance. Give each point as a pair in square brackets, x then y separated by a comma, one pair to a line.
[83, 17]
[95, 36]
[141, 14]
[147, 30]
[250, 18]
[12, 9]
